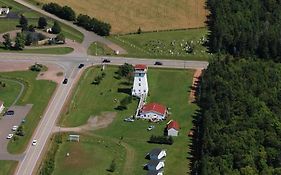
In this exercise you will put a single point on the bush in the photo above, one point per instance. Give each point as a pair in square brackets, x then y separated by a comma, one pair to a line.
[161, 140]
[42, 23]
[64, 12]
[56, 29]
[36, 67]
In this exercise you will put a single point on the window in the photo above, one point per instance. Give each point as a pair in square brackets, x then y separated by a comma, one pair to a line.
[139, 79]
[139, 84]
[139, 74]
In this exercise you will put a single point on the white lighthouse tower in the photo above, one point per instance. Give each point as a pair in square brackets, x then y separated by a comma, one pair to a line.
[140, 88]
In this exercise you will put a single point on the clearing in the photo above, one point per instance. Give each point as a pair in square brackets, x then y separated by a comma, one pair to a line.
[168, 86]
[127, 16]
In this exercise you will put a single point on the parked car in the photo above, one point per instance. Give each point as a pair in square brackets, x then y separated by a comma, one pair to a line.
[130, 119]
[34, 142]
[106, 60]
[150, 128]
[10, 136]
[65, 81]
[158, 63]
[81, 65]
[10, 112]
[14, 128]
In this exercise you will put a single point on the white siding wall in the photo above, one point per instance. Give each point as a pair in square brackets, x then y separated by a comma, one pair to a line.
[172, 132]
[151, 115]
[140, 84]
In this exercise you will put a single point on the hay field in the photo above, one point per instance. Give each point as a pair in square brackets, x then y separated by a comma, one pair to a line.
[128, 15]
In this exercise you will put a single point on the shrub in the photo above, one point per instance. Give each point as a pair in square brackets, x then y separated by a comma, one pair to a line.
[161, 140]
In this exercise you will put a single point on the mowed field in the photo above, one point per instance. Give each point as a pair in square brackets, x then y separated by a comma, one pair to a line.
[127, 16]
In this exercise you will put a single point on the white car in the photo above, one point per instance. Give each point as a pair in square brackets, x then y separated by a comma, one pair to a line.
[10, 136]
[14, 128]
[34, 142]
[150, 128]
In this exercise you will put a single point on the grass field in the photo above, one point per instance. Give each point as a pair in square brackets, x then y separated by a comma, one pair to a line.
[9, 93]
[7, 167]
[31, 95]
[98, 48]
[57, 51]
[127, 16]
[169, 87]
[168, 45]
[32, 16]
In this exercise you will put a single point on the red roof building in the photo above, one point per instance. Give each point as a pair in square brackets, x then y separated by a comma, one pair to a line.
[154, 107]
[140, 66]
[173, 128]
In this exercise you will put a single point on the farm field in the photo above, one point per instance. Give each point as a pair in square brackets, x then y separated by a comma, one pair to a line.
[7, 167]
[169, 87]
[32, 16]
[58, 50]
[10, 92]
[180, 44]
[31, 95]
[127, 16]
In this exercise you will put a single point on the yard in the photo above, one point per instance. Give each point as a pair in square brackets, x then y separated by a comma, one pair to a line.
[57, 51]
[10, 92]
[7, 167]
[127, 17]
[32, 16]
[180, 44]
[31, 95]
[169, 87]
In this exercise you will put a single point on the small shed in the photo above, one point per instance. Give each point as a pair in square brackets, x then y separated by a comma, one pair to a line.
[155, 165]
[172, 128]
[157, 154]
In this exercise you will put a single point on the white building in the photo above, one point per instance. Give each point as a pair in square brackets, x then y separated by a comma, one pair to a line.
[155, 165]
[4, 11]
[173, 128]
[140, 88]
[153, 111]
[157, 154]
[1, 106]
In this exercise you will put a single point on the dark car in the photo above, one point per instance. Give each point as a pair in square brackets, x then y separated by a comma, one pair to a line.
[106, 61]
[158, 63]
[80, 66]
[10, 112]
[65, 81]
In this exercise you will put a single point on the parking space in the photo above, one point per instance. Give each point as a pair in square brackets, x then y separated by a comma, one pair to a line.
[14, 117]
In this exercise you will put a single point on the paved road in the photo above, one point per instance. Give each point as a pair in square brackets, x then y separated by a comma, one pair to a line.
[89, 37]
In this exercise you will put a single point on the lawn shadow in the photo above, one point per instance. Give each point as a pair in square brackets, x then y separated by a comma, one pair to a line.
[124, 90]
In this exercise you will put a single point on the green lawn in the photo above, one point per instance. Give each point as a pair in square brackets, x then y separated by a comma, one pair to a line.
[57, 51]
[31, 95]
[166, 44]
[9, 93]
[91, 156]
[98, 48]
[7, 167]
[32, 16]
[169, 87]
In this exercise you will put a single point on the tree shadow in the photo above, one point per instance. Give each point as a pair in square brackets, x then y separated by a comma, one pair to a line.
[124, 90]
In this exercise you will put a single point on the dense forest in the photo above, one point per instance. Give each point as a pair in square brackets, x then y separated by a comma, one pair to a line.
[249, 28]
[240, 131]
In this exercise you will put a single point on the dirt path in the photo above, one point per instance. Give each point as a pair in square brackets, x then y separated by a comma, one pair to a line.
[195, 80]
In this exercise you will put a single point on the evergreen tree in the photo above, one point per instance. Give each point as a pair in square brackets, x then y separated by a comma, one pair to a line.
[56, 29]
[42, 23]
[7, 41]
[20, 41]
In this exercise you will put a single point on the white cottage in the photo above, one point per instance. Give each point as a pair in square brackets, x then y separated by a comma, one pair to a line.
[1, 106]
[153, 112]
[4, 11]
[157, 154]
[155, 165]
[140, 88]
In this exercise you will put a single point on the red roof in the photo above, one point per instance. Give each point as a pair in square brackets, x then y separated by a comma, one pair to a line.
[154, 107]
[174, 125]
[140, 66]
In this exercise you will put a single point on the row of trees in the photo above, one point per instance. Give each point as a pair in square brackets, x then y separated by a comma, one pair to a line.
[245, 28]
[85, 21]
[240, 124]
[161, 139]
[64, 12]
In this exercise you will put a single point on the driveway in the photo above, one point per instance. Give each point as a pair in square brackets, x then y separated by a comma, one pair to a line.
[6, 124]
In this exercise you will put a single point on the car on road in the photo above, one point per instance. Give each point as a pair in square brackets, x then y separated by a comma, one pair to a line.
[65, 81]
[14, 128]
[158, 63]
[130, 119]
[150, 128]
[106, 60]
[10, 112]
[10, 136]
[81, 65]
[34, 142]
